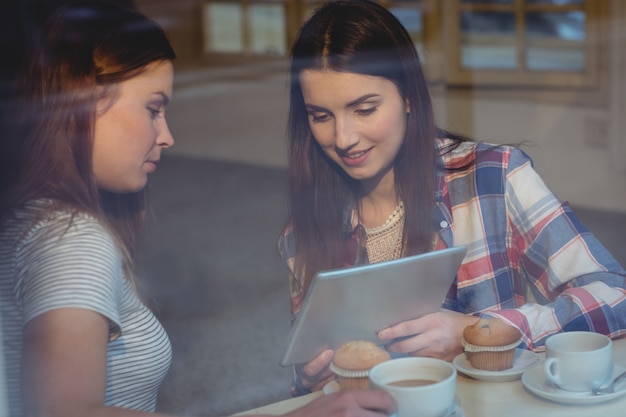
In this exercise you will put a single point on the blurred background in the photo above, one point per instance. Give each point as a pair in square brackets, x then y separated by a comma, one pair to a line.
[550, 74]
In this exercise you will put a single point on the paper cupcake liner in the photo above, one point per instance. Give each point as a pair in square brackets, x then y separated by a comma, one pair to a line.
[491, 361]
[346, 373]
[475, 348]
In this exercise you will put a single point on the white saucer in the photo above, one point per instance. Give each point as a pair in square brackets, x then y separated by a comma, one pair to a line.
[524, 359]
[455, 412]
[333, 386]
[535, 381]
[330, 387]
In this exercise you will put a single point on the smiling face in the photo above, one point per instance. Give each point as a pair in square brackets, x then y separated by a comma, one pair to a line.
[131, 131]
[358, 120]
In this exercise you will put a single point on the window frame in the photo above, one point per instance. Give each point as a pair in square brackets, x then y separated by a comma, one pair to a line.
[441, 36]
[455, 74]
[245, 25]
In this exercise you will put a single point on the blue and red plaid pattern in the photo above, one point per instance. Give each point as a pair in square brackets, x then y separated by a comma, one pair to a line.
[530, 261]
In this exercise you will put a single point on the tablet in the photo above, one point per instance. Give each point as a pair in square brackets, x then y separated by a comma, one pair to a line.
[355, 303]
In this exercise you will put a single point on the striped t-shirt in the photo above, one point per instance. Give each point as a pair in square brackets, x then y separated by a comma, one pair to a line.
[53, 260]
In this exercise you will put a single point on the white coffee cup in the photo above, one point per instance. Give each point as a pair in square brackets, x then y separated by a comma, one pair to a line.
[414, 397]
[578, 361]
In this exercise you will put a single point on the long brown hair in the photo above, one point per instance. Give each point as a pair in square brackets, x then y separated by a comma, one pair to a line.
[83, 52]
[360, 37]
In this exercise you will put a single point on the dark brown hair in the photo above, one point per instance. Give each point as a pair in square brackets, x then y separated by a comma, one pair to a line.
[361, 37]
[82, 52]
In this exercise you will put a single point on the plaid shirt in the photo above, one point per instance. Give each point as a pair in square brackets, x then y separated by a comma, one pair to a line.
[529, 262]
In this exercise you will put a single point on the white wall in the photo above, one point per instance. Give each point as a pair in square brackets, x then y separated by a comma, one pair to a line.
[618, 80]
[558, 138]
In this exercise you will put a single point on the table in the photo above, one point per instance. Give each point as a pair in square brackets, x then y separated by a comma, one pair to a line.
[497, 399]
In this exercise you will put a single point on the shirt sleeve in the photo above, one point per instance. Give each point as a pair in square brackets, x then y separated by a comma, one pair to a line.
[287, 250]
[69, 261]
[578, 284]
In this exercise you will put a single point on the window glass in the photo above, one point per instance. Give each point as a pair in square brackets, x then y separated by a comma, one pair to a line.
[489, 2]
[488, 40]
[267, 29]
[555, 41]
[411, 19]
[223, 31]
[556, 2]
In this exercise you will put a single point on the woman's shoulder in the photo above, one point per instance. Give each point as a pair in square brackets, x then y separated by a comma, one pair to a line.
[477, 154]
[44, 219]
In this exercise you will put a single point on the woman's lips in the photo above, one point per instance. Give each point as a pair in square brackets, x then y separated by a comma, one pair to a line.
[152, 165]
[355, 158]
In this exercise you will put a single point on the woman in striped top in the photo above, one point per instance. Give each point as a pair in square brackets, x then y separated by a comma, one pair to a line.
[77, 341]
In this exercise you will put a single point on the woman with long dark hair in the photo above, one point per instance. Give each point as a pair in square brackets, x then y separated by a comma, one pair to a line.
[77, 340]
[372, 178]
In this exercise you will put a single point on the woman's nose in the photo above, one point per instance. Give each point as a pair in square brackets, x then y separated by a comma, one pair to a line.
[165, 138]
[346, 135]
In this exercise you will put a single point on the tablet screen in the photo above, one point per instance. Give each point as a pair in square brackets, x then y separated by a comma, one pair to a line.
[357, 302]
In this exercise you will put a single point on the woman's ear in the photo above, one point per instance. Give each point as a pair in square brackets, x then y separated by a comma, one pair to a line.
[408, 106]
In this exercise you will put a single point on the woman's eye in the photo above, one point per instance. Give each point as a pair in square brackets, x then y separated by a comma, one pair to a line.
[155, 112]
[366, 112]
[318, 118]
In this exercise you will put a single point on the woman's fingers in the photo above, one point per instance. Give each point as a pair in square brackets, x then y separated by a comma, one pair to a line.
[316, 373]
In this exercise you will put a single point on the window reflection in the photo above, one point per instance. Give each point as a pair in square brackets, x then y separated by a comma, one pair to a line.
[505, 38]
[490, 2]
[555, 41]
[267, 29]
[533, 2]
[223, 27]
[411, 18]
[488, 40]
[556, 2]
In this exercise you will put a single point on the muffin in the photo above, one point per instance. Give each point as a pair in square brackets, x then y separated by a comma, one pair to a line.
[353, 361]
[490, 344]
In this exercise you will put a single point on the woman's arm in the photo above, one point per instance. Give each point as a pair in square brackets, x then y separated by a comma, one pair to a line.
[64, 365]
[64, 373]
[578, 283]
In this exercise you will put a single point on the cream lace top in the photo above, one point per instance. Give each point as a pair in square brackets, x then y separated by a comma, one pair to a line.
[384, 243]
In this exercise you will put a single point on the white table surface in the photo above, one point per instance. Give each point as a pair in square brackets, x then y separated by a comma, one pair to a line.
[497, 399]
